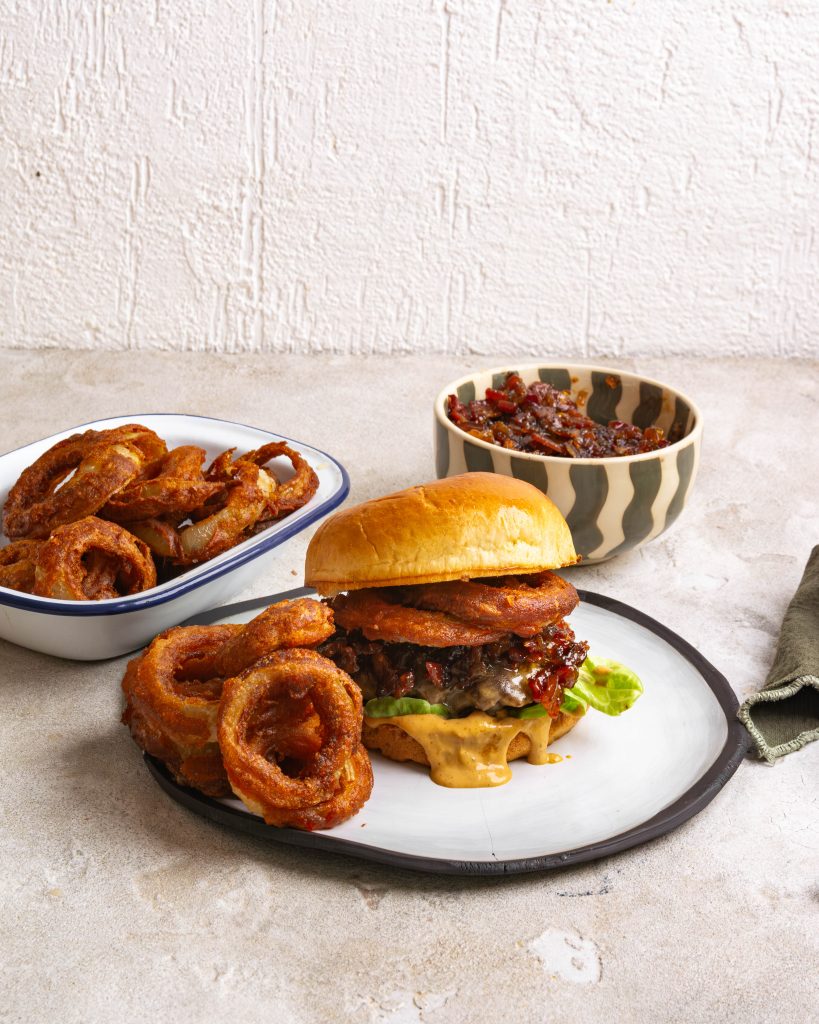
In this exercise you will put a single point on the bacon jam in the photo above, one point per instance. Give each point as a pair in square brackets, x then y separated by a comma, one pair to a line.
[511, 672]
[542, 420]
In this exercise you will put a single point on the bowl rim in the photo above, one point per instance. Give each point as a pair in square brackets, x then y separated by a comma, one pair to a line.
[187, 582]
[694, 436]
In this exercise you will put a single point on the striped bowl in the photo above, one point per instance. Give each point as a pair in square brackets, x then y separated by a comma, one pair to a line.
[611, 505]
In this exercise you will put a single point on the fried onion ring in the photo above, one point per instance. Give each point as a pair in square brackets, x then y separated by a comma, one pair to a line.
[300, 623]
[91, 560]
[34, 501]
[523, 605]
[372, 612]
[173, 486]
[245, 499]
[293, 493]
[171, 712]
[17, 562]
[330, 784]
[37, 504]
[142, 438]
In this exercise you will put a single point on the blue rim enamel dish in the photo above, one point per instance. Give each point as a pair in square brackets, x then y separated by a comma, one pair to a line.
[612, 505]
[621, 782]
[111, 627]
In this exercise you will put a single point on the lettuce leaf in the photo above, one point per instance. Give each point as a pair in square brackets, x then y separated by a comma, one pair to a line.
[388, 707]
[529, 711]
[604, 685]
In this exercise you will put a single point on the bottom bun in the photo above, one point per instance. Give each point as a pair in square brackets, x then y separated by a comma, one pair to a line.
[395, 744]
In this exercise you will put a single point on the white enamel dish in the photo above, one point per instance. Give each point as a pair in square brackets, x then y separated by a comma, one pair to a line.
[622, 781]
[92, 630]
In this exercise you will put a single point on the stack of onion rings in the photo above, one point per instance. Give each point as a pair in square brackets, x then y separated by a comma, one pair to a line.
[248, 708]
[457, 613]
[171, 712]
[162, 498]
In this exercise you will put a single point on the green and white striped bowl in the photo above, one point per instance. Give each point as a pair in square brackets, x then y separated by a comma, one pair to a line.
[612, 505]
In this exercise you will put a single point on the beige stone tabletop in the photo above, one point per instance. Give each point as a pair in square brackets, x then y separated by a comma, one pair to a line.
[119, 905]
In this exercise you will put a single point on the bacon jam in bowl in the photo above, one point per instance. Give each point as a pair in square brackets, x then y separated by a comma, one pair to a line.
[615, 451]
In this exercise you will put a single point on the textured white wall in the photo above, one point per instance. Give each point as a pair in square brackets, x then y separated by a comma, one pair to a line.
[562, 176]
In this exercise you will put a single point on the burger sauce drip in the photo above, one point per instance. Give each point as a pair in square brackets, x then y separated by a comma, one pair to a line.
[471, 752]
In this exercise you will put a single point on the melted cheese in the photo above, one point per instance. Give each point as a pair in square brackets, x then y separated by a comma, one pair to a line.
[464, 753]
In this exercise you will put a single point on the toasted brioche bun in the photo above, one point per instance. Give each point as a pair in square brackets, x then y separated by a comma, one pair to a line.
[461, 527]
[395, 744]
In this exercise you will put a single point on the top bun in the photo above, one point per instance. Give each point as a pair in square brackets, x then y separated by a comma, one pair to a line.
[461, 527]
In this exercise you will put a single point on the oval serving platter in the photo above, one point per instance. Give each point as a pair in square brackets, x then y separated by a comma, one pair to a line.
[621, 781]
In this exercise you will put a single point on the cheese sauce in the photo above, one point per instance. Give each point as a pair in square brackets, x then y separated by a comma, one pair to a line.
[465, 753]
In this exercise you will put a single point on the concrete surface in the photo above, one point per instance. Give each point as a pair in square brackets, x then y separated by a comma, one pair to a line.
[120, 905]
[621, 178]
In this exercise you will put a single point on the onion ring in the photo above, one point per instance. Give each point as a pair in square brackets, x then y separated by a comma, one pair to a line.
[300, 623]
[523, 605]
[145, 440]
[91, 560]
[244, 503]
[173, 486]
[35, 506]
[332, 783]
[293, 493]
[17, 562]
[250, 497]
[378, 618]
[172, 715]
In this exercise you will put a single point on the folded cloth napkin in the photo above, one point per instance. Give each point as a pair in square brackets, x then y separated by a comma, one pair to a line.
[784, 715]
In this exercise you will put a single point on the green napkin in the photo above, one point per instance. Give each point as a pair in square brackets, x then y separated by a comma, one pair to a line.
[784, 715]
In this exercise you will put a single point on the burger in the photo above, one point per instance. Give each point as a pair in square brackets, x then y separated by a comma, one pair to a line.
[450, 618]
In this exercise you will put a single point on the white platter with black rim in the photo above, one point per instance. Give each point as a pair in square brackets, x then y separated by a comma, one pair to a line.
[622, 781]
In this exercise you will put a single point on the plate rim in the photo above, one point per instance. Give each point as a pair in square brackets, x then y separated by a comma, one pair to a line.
[690, 803]
[265, 541]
